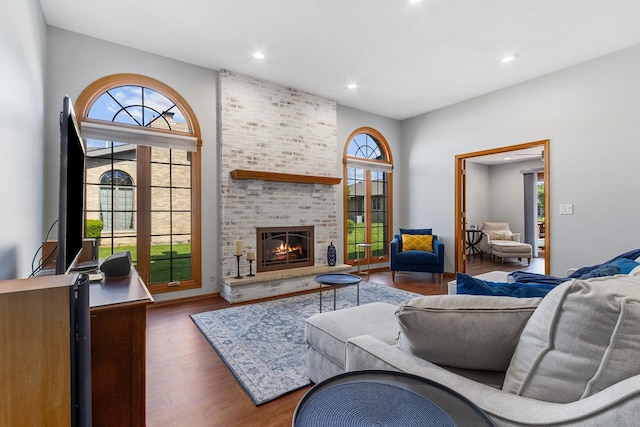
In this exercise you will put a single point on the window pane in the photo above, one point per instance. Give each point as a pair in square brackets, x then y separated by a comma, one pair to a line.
[160, 223]
[170, 215]
[181, 199]
[181, 175]
[379, 214]
[111, 243]
[160, 270]
[170, 261]
[355, 210]
[160, 199]
[135, 105]
[160, 155]
[180, 157]
[161, 174]
[365, 146]
[181, 226]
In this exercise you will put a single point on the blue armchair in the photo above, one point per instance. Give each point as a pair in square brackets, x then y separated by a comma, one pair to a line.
[416, 260]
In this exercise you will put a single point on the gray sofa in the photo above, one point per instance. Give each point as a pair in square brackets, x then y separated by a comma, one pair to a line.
[570, 359]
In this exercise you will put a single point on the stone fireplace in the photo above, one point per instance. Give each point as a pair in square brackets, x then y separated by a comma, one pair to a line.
[280, 248]
[269, 129]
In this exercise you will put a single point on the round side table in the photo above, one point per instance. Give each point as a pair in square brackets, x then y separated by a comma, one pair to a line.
[385, 398]
[336, 280]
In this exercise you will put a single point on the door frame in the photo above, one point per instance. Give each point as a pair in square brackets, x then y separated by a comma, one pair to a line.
[460, 199]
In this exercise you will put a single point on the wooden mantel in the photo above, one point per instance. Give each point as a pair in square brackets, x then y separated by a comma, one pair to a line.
[284, 177]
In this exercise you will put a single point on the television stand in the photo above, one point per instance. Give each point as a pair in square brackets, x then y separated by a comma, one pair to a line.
[118, 350]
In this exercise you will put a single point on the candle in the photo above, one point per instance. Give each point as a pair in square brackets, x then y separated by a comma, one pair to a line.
[251, 254]
[237, 248]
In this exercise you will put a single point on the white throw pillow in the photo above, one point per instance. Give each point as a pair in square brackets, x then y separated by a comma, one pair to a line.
[499, 234]
[582, 339]
[463, 331]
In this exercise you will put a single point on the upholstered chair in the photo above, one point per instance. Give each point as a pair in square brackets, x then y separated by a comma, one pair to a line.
[416, 249]
[500, 242]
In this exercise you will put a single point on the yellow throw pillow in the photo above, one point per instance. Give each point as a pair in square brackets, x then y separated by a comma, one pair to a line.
[417, 242]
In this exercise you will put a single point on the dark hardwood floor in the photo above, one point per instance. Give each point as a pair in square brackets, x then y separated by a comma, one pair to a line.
[189, 385]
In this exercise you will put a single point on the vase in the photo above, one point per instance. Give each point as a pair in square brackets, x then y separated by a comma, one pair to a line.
[331, 255]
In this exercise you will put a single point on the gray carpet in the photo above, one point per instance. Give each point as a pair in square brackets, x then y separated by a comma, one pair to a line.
[263, 344]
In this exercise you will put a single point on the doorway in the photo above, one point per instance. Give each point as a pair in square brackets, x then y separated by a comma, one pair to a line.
[462, 187]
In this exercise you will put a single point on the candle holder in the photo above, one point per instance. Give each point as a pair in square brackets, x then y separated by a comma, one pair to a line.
[238, 276]
[250, 272]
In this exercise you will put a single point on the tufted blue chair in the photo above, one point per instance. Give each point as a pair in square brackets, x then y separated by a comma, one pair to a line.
[430, 262]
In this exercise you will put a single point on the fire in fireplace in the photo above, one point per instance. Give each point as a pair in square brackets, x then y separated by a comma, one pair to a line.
[280, 248]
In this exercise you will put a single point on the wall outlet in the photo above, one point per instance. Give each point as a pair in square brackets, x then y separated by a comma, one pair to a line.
[566, 209]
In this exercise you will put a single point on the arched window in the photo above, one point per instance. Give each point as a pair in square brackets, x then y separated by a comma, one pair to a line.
[367, 180]
[143, 168]
[116, 201]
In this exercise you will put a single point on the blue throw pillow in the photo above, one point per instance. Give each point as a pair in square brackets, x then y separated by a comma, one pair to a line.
[415, 231]
[472, 286]
[625, 265]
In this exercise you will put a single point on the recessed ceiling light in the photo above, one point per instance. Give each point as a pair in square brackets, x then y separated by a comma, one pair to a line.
[258, 55]
[352, 86]
[414, 1]
[508, 58]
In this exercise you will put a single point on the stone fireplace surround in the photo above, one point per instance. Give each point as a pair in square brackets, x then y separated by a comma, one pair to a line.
[279, 162]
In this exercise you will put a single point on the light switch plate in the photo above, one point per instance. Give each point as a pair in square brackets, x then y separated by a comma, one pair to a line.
[566, 209]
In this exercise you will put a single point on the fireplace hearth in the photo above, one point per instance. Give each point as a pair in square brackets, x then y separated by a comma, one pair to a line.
[280, 248]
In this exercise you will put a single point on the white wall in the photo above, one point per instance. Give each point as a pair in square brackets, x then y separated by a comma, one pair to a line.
[506, 200]
[350, 119]
[590, 114]
[22, 49]
[478, 194]
[75, 61]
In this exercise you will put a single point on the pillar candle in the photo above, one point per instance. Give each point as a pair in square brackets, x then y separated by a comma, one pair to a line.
[237, 248]
[251, 254]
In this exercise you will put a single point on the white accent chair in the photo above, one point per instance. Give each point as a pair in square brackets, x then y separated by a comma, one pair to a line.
[500, 242]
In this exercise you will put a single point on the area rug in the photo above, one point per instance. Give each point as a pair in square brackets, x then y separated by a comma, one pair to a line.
[263, 344]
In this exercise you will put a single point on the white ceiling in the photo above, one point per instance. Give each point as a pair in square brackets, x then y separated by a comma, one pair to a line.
[407, 59]
[523, 155]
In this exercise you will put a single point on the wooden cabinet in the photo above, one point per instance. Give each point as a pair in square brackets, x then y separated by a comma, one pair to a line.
[118, 355]
[35, 351]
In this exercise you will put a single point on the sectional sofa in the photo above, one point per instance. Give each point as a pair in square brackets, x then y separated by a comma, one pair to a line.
[570, 358]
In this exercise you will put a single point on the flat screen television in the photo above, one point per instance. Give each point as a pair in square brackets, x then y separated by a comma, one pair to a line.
[71, 202]
[70, 235]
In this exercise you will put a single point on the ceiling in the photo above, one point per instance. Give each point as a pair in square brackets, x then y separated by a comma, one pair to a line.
[522, 155]
[407, 59]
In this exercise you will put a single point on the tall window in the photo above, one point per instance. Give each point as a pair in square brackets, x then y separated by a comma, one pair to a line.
[142, 179]
[368, 173]
[116, 201]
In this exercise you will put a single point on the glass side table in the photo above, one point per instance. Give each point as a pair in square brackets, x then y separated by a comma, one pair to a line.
[366, 247]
